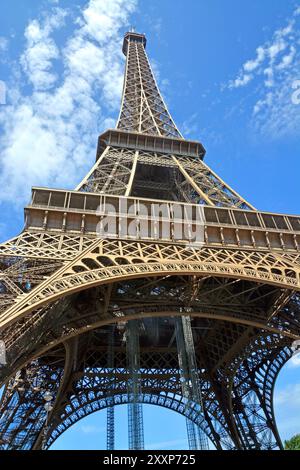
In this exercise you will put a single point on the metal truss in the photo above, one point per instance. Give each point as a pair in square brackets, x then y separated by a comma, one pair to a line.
[122, 171]
[135, 410]
[253, 397]
[80, 392]
[69, 297]
[110, 441]
[109, 261]
[111, 173]
[189, 379]
[23, 414]
[143, 109]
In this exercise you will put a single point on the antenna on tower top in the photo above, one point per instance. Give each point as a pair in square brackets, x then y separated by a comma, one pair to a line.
[132, 29]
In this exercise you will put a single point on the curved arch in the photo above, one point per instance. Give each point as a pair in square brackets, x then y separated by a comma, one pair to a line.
[168, 397]
[258, 392]
[279, 362]
[82, 325]
[160, 314]
[65, 284]
[164, 401]
[273, 371]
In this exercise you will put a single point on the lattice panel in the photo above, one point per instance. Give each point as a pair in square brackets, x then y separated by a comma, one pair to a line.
[143, 109]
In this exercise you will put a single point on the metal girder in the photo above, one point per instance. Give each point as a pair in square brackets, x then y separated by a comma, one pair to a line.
[143, 109]
[68, 298]
[110, 439]
[92, 389]
[135, 410]
[189, 377]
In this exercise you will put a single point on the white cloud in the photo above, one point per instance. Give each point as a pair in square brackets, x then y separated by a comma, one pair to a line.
[272, 72]
[294, 361]
[267, 53]
[49, 135]
[41, 50]
[101, 18]
[289, 395]
[253, 64]
[91, 429]
[3, 44]
[242, 80]
[191, 125]
[287, 59]
[278, 46]
[269, 73]
[260, 104]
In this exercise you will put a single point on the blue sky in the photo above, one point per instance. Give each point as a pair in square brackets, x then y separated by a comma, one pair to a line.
[226, 70]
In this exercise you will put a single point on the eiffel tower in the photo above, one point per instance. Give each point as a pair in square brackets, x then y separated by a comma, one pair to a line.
[109, 297]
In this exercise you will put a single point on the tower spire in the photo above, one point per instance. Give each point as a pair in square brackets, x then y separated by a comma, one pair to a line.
[143, 109]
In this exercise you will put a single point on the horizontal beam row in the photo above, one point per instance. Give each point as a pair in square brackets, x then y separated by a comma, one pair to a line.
[149, 143]
[144, 219]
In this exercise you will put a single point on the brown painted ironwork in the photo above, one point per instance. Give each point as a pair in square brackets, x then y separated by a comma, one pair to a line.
[63, 285]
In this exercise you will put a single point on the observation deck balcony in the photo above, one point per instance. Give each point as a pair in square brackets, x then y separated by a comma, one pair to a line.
[122, 217]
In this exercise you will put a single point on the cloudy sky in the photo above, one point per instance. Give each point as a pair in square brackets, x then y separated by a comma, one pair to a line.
[230, 76]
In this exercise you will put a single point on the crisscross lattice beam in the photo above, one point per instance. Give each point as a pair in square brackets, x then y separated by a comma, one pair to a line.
[142, 109]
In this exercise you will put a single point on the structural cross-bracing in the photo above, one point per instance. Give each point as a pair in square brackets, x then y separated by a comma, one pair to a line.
[153, 282]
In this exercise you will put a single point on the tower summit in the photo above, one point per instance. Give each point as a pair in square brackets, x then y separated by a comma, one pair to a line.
[153, 282]
[132, 36]
[143, 109]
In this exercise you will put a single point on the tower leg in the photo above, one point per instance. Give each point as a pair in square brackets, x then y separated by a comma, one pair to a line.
[110, 438]
[23, 416]
[189, 379]
[253, 399]
[135, 411]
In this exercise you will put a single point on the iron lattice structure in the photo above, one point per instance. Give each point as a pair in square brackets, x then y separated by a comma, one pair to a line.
[69, 296]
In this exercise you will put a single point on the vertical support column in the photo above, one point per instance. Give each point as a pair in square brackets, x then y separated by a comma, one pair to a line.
[132, 174]
[110, 419]
[135, 411]
[189, 379]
